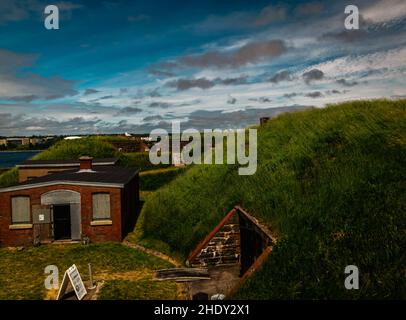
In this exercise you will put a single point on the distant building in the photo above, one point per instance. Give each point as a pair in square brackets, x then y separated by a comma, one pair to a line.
[72, 138]
[18, 141]
[99, 203]
[3, 142]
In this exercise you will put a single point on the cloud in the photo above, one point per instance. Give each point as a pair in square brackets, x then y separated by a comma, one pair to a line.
[238, 20]
[152, 118]
[290, 95]
[315, 94]
[204, 83]
[90, 91]
[346, 36]
[231, 100]
[385, 10]
[20, 124]
[308, 9]
[202, 119]
[128, 111]
[162, 105]
[185, 84]
[347, 83]
[312, 75]
[252, 52]
[17, 84]
[281, 76]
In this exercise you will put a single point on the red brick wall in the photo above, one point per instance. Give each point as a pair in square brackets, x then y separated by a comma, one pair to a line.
[95, 233]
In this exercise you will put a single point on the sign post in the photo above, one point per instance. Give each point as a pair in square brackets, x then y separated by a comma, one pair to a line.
[72, 275]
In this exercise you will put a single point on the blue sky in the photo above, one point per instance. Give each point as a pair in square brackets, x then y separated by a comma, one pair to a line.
[117, 66]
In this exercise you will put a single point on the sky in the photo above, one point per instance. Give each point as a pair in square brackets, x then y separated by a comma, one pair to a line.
[132, 66]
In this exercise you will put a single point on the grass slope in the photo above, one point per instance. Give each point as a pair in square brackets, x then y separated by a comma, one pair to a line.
[330, 182]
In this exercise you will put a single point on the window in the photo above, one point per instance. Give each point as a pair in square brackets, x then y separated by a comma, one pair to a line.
[20, 210]
[101, 206]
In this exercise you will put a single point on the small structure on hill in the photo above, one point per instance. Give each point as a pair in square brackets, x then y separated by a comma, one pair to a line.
[231, 252]
[98, 203]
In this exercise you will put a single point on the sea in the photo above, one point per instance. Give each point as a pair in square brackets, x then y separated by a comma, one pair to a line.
[9, 159]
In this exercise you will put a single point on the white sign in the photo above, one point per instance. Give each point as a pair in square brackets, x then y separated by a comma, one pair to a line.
[41, 217]
[76, 281]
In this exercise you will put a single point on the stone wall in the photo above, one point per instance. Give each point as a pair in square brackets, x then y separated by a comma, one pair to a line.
[223, 248]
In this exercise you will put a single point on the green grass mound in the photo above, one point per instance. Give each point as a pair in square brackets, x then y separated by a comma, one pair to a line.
[330, 182]
[73, 149]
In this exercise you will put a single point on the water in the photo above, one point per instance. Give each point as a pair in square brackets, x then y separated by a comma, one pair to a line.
[9, 159]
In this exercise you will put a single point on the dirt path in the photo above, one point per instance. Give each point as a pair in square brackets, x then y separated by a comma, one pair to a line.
[155, 253]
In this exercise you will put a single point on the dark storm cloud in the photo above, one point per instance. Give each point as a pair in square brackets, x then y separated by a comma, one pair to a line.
[312, 75]
[315, 94]
[281, 76]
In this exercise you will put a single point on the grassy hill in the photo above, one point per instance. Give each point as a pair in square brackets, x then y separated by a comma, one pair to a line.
[330, 182]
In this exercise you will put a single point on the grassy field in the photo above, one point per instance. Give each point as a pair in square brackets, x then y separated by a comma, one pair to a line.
[330, 182]
[127, 272]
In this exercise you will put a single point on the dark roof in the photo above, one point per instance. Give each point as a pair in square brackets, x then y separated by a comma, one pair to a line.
[101, 176]
[66, 163]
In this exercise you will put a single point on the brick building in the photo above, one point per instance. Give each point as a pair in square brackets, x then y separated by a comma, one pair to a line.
[99, 203]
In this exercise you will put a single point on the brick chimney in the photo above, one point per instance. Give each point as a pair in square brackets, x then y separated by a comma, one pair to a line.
[85, 163]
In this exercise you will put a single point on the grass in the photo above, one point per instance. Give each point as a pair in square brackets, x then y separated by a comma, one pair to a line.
[154, 179]
[138, 290]
[330, 182]
[22, 272]
[73, 149]
[140, 160]
[9, 178]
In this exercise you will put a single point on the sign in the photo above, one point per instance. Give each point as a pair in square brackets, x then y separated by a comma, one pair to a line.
[72, 275]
